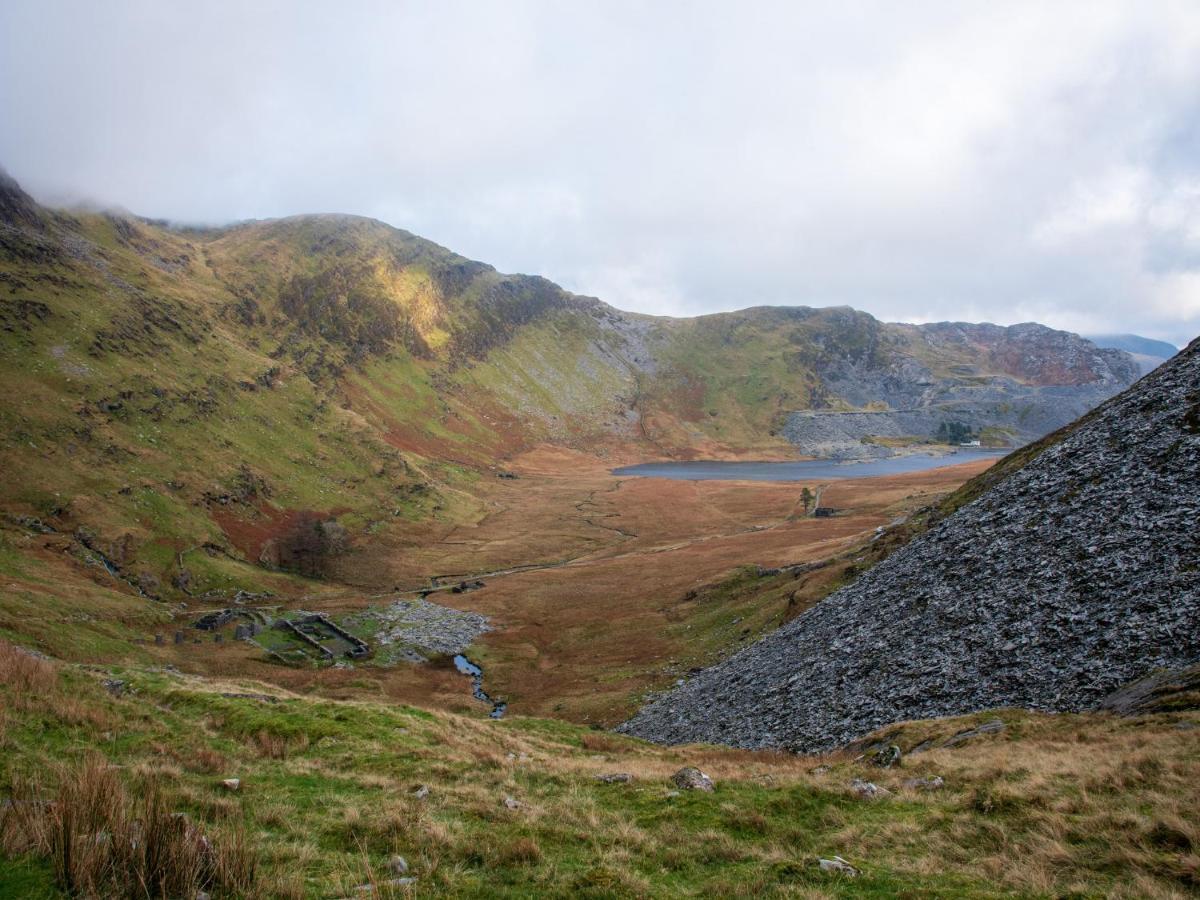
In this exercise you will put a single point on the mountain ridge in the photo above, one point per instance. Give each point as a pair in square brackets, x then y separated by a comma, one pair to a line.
[150, 367]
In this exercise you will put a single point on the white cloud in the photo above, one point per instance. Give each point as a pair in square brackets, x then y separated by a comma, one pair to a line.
[1117, 200]
[929, 159]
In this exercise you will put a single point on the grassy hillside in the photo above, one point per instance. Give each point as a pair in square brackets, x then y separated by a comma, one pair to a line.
[329, 792]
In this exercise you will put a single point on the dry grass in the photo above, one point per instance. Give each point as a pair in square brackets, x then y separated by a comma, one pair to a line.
[1070, 794]
[32, 683]
[105, 841]
[28, 675]
[204, 760]
[276, 746]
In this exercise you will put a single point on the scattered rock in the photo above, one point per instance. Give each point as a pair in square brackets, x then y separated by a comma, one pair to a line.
[149, 584]
[393, 882]
[615, 778]
[1164, 690]
[837, 866]
[33, 524]
[511, 803]
[421, 792]
[232, 784]
[182, 580]
[995, 726]
[868, 790]
[398, 865]
[690, 778]
[114, 686]
[412, 630]
[886, 757]
[925, 784]
[820, 770]
[671, 795]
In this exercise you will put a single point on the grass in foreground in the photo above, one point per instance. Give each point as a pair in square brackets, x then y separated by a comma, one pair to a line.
[330, 791]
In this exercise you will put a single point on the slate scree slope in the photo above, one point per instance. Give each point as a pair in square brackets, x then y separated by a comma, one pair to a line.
[1075, 574]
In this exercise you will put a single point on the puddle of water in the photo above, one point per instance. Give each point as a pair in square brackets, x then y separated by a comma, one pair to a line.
[466, 667]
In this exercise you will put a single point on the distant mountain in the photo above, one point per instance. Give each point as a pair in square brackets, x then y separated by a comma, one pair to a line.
[1133, 343]
[333, 365]
[1073, 572]
[1149, 353]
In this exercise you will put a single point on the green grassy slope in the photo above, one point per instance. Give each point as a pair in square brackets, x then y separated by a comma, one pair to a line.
[329, 792]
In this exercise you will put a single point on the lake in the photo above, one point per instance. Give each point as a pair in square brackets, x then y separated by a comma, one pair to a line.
[802, 470]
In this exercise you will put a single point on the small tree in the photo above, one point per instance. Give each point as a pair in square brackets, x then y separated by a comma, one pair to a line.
[954, 433]
[806, 497]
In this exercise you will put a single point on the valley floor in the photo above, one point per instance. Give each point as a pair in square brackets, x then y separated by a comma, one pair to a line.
[598, 588]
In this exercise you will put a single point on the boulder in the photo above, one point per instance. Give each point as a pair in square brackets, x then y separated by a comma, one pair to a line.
[995, 726]
[837, 866]
[886, 757]
[615, 778]
[689, 778]
[868, 790]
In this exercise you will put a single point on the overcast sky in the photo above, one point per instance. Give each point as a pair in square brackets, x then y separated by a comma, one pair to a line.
[922, 161]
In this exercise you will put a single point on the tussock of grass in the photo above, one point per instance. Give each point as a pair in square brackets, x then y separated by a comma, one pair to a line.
[105, 841]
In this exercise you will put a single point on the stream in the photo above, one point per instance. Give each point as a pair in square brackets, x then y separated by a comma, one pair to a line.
[466, 667]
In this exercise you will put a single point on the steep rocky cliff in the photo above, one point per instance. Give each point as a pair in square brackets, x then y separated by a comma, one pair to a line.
[1072, 575]
[1009, 385]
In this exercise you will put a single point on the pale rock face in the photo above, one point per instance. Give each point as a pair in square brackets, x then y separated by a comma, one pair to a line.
[1070, 577]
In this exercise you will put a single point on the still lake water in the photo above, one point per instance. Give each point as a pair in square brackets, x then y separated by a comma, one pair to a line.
[802, 470]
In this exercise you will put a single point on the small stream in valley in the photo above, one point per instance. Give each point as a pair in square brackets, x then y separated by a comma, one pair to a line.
[466, 667]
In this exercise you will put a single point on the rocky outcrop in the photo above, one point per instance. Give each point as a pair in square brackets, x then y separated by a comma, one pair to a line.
[1008, 413]
[1073, 575]
[1020, 382]
[17, 207]
[1030, 353]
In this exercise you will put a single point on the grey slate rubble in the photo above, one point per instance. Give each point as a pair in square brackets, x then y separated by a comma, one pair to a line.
[413, 629]
[1072, 576]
